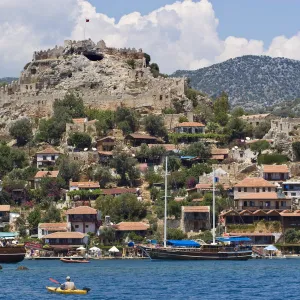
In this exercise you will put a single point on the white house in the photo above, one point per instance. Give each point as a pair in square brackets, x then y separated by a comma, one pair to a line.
[46, 157]
[83, 185]
[48, 228]
[292, 190]
[83, 219]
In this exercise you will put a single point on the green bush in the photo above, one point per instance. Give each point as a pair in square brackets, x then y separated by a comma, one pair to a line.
[274, 158]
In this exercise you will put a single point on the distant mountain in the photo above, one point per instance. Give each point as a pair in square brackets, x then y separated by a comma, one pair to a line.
[8, 79]
[251, 81]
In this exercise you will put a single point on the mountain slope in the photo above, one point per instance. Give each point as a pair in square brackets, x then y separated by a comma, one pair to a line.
[7, 79]
[251, 81]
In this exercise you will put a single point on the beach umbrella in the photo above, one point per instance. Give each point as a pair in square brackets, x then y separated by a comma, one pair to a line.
[80, 248]
[113, 250]
[270, 248]
[95, 249]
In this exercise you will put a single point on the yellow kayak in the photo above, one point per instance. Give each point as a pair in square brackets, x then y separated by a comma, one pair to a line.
[60, 291]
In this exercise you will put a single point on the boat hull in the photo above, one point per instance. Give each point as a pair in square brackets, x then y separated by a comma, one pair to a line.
[71, 261]
[60, 291]
[196, 254]
[12, 254]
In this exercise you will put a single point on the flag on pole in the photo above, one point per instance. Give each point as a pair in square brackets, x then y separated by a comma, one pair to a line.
[87, 20]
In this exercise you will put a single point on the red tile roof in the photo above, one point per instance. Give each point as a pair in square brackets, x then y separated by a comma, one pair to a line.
[54, 226]
[208, 186]
[193, 209]
[49, 150]
[132, 226]
[190, 124]
[41, 174]
[254, 182]
[218, 157]
[256, 196]
[85, 184]
[81, 210]
[64, 235]
[118, 191]
[142, 136]
[168, 147]
[107, 138]
[4, 207]
[219, 151]
[290, 214]
[275, 169]
[79, 120]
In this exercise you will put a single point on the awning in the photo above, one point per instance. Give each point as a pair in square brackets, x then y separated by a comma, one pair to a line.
[183, 243]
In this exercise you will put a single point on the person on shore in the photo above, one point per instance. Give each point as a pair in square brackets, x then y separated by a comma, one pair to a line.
[68, 285]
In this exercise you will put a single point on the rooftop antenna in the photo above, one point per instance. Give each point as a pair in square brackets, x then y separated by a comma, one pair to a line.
[166, 196]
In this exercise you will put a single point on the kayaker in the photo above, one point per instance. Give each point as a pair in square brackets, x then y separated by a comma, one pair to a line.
[68, 285]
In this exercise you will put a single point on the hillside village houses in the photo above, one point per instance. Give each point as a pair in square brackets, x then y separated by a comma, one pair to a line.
[46, 157]
[256, 120]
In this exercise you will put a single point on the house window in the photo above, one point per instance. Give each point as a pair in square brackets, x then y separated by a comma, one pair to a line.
[264, 189]
[53, 157]
[76, 226]
[86, 226]
[44, 157]
[283, 203]
[257, 190]
[293, 194]
[268, 204]
[245, 203]
[241, 154]
[245, 190]
[160, 97]
[239, 189]
[269, 189]
[252, 203]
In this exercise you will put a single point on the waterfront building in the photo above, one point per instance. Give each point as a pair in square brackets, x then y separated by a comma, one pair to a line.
[125, 228]
[195, 218]
[65, 240]
[48, 228]
[83, 219]
[4, 215]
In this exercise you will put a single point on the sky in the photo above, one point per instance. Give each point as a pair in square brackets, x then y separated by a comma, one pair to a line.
[185, 34]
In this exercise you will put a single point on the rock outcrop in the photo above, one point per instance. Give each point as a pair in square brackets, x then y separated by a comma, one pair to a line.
[105, 78]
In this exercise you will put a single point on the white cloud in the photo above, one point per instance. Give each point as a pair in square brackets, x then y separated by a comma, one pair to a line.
[182, 35]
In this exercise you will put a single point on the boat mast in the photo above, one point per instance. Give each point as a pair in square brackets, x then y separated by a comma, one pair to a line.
[166, 195]
[214, 209]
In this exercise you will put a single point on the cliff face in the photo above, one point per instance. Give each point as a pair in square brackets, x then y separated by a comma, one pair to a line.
[105, 77]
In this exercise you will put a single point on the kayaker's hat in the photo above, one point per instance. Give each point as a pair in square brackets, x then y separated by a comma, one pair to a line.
[68, 278]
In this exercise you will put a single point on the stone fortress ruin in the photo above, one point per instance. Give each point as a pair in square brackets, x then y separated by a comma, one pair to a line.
[105, 78]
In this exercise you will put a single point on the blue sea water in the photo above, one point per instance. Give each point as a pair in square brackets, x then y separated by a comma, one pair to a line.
[145, 279]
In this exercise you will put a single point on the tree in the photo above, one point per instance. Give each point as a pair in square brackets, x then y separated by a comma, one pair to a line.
[155, 126]
[80, 140]
[51, 187]
[174, 163]
[68, 170]
[292, 236]
[260, 146]
[125, 166]
[52, 215]
[103, 176]
[154, 68]
[221, 109]
[10, 159]
[148, 58]
[34, 218]
[236, 127]
[107, 235]
[122, 208]
[296, 149]
[237, 112]
[21, 130]
[273, 158]
[260, 130]
[198, 149]
[127, 120]
[176, 234]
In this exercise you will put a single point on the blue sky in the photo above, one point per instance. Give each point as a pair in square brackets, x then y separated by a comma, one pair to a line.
[252, 19]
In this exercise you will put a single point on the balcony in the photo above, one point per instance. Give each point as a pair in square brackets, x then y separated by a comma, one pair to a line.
[82, 218]
[4, 219]
[279, 207]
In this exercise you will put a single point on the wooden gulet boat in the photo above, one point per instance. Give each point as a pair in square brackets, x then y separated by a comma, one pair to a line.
[12, 254]
[74, 261]
[233, 248]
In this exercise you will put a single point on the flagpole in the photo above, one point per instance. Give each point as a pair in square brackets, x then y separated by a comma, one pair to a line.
[214, 209]
[166, 196]
[84, 30]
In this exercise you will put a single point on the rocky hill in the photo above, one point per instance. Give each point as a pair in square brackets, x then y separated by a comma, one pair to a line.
[253, 82]
[105, 77]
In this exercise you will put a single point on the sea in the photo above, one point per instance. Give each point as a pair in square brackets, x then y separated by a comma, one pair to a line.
[144, 279]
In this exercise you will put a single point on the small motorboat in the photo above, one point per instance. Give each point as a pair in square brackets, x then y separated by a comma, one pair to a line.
[74, 261]
[60, 291]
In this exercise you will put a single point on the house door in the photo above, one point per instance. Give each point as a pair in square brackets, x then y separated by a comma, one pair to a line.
[277, 205]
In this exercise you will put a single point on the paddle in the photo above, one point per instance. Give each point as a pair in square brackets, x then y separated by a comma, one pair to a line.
[54, 281]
